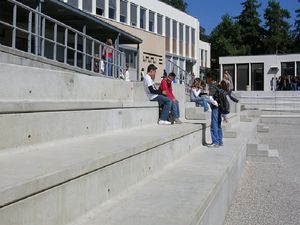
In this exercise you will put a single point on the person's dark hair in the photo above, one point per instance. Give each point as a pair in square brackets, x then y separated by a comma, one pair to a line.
[151, 67]
[211, 76]
[172, 74]
[224, 85]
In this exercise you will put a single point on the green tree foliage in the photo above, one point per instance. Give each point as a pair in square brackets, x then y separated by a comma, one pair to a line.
[296, 32]
[251, 31]
[226, 40]
[277, 29]
[179, 4]
[203, 36]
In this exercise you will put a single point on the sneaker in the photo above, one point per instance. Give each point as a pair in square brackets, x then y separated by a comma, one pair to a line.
[213, 145]
[177, 121]
[164, 122]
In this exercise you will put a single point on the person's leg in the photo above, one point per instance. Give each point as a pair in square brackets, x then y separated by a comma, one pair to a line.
[109, 67]
[220, 133]
[214, 126]
[202, 102]
[166, 104]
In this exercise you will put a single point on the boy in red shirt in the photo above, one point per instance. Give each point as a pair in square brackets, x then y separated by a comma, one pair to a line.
[166, 86]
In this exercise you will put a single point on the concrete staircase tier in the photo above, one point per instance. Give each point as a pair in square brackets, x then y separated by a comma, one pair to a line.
[197, 189]
[57, 182]
[196, 113]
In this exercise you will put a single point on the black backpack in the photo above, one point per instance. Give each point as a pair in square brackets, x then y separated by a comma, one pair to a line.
[221, 97]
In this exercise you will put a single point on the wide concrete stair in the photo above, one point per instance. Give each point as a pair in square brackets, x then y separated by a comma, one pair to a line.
[77, 149]
[270, 100]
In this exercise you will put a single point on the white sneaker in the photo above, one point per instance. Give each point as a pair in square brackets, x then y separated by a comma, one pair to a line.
[164, 122]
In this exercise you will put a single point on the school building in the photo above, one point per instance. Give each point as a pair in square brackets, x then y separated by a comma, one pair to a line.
[253, 73]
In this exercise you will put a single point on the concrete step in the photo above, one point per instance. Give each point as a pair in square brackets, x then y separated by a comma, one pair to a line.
[245, 118]
[196, 113]
[57, 182]
[23, 129]
[229, 133]
[198, 189]
[29, 83]
[261, 128]
[280, 119]
[19, 106]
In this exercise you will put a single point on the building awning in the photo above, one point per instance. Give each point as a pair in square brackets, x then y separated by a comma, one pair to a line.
[76, 18]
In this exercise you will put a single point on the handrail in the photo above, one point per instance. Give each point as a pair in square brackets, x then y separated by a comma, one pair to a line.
[186, 79]
[91, 60]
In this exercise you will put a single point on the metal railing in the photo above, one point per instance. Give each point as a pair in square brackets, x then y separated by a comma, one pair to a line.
[52, 39]
[184, 77]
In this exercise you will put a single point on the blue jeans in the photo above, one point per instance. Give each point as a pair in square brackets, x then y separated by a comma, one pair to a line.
[109, 67]
[215, 128]
[200, 101]
[166, 104]
[175, 109]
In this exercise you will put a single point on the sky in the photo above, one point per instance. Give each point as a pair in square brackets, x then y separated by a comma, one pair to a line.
[209, 12]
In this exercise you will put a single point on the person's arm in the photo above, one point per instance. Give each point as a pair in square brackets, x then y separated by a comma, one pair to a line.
[153, 91]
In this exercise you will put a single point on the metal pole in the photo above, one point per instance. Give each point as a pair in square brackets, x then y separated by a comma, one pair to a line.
[14, 32]
[29, 32]
[55, 41]
[66, 46]
[84, 47]
[138, 63]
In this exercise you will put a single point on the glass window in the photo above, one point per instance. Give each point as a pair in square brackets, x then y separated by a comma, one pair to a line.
[151, 21]
[73, 3]
[123, 11]
[131, 58]
[112, 9]
[287, 68]
[298, 69]
[159, 23]
[87, 5]
[100, 6]
[257, 77]
[143, 18]
[133, 15]
[242, 77]
[174, 29]
[231, 71]
[181, 38]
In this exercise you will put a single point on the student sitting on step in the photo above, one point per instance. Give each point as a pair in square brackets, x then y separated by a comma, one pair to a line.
[166, 87]
[156, 95]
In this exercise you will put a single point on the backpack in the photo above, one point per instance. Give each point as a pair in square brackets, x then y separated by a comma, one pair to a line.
[221, 97]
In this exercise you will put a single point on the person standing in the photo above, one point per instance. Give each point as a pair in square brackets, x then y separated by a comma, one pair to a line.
[166, 86]
[156, 95]
[108, 56]
[216, 119]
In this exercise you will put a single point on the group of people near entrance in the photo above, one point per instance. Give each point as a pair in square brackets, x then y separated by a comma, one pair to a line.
[214, 100]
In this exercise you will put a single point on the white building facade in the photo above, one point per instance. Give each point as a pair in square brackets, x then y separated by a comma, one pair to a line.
[180, 31]
[255, 72]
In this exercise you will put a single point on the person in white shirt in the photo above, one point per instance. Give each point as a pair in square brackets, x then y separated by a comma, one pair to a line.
[156, 95]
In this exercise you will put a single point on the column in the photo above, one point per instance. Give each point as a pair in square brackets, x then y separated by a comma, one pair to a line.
[177, 40]
[128, 13]
[221, 71]
[94, 7]
[235, 77]
[163, 26]
[183, 40]
[147, 19]
[106, 10]
[118, 10]
[171, 36]
[250, 81]
[80, 5]
[138, 16]
[155, 23]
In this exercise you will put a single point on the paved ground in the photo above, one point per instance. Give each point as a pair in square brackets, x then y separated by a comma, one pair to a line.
[269, 191]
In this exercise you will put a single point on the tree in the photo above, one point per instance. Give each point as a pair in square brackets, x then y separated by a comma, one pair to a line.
[277, 28]
[296, 32]
[203, 36]
[226, 40]
[179, 4]
[251, 31]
